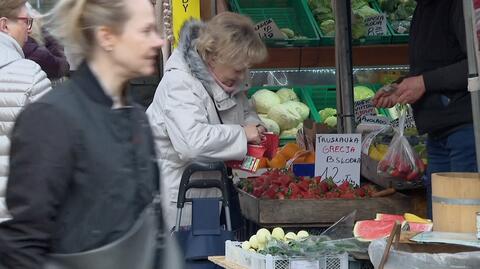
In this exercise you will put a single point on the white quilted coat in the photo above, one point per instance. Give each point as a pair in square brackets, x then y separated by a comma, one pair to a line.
[21, 82]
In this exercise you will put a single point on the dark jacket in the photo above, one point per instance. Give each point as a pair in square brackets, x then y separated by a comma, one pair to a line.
[438, 51]
[81, 173]
[50, 56]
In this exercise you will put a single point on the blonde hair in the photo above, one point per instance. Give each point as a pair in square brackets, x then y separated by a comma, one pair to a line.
[11, 8]
[36, 32]
[230, 39]
[73, 22]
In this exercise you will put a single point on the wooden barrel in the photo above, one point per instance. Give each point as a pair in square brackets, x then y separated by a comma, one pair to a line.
[455, 201]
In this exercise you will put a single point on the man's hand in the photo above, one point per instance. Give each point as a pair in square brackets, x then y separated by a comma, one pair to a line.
[410, 90]
[384, 99]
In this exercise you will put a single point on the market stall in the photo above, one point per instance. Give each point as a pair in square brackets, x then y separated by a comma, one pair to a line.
[305, 72]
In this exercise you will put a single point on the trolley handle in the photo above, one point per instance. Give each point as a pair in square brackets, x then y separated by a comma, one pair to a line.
[186, 184]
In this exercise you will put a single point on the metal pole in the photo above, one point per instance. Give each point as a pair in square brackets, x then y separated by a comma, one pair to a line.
[473, 79]
[343, 57]
[38, 4]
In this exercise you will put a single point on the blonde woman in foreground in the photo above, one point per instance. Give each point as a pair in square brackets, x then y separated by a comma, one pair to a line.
[83, 171]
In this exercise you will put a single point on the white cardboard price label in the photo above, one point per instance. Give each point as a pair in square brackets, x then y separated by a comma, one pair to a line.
[302, 264]
[376, 25]
[380, 120]
[268, 29]
[364, 108]
[338, 156]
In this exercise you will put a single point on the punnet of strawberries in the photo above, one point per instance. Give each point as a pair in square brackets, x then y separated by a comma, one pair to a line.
[281, 184]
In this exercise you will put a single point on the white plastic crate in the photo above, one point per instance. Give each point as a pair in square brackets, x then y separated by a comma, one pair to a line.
[252, 260]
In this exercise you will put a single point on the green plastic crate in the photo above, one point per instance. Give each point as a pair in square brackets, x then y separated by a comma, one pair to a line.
[302, 95]
[396, 37]
[367, 40]
[293, 14]
[320, 97]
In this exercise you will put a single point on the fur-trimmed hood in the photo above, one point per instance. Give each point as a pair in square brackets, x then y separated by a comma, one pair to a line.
[186, 58]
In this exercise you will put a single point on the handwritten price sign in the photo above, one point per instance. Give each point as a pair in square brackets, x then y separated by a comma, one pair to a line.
[376, 25]
[268, 29]
[338, 156]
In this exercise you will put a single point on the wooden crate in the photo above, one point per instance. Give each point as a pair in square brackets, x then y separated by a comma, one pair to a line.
[317, 212]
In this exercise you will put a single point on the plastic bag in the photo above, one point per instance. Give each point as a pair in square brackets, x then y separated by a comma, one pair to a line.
[401, 160]
[420, 260]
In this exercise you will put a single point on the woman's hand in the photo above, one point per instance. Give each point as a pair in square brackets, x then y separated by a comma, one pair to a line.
[252, 133]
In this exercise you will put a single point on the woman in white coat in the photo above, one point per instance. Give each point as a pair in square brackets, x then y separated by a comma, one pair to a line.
[21, 81]
[200, 111]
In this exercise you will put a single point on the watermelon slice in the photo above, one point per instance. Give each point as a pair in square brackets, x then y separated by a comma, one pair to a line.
[417, 227]
[369, 230]
[381, 216]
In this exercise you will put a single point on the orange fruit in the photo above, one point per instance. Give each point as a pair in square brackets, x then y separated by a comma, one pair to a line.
[263, 163]
[278, 161]
[289, 150]
[310, 158]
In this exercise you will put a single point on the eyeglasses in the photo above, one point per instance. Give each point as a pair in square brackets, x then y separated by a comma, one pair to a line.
[28, 21]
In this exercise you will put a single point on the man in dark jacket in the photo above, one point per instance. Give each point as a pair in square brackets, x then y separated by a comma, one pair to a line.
[437, 87]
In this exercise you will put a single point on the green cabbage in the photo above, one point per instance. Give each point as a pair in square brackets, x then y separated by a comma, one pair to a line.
[331, 121]
[264, 100]
[289, 133]
[286, 116]
[327, 112]
[328, 27]
[287, 94]
[271, 125]
[361, 93]
[300, 107]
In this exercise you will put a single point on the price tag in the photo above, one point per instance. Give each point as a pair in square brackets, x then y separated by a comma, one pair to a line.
[302, 264]
[364, 108]
[409, 122]
[380, 120]
[268, 29]
[338, 156]
[376, 25]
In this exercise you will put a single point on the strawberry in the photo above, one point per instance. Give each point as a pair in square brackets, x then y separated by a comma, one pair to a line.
[348, 195]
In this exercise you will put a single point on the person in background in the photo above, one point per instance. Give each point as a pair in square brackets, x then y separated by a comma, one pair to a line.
[200, 111]
[437, 88]
[21, 81]
[83, 167]
[43, 49]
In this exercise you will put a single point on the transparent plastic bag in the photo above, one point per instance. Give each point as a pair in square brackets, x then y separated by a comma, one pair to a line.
[401, 161]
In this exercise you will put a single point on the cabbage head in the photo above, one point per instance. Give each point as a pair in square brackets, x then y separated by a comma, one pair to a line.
[286, 94]
[286, 116]
[289, 133]
[271, 125]
[264, 100]
[361, 93]
[301, 108]
[328, 27]
[331, 121]
[327, 112]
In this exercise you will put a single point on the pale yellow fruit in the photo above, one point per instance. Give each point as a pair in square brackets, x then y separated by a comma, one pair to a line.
[414, 218]
[278, 233]
[302, 235]
[263, 235]
[253, 242]
[290, 236]
[246, 245]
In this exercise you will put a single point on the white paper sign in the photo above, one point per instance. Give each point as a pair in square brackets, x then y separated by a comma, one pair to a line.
[364, 108]
[376, 25]
[338, 156]
[302, 264]
[268, 29]
[409, 122]
[380, 120]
